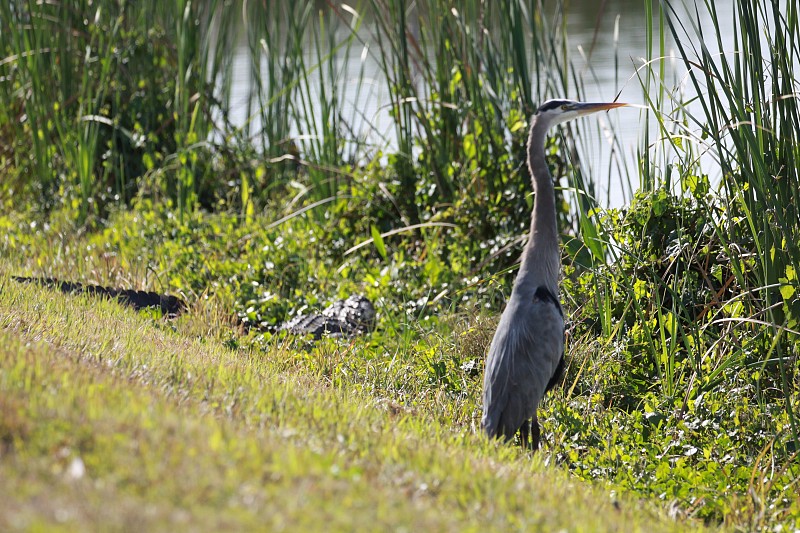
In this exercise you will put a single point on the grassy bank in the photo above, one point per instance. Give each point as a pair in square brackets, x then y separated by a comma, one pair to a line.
[115, 420]
[121, 165]
[420, 366]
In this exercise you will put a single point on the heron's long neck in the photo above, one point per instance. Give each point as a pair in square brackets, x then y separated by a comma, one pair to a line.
[541, 258]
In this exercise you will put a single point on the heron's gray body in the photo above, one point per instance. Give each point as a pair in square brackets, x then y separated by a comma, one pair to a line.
[523, 359]
[526, 355]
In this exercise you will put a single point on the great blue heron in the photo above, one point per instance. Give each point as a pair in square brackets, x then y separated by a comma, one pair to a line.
[526, 357]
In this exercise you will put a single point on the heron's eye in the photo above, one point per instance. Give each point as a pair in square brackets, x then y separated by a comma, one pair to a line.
[564, 107]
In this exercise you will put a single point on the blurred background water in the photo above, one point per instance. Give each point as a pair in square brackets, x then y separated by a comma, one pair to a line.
[606, 43]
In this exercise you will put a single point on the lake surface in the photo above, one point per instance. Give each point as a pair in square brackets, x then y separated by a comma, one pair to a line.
[606, 42]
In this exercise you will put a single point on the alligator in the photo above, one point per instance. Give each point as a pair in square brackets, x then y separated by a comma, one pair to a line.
[343, 318]
[171, 306]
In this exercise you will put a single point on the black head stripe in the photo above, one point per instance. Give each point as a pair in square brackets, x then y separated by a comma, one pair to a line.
[543, 294]
[551, 104]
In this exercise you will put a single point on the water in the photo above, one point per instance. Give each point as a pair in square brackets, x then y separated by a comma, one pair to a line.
[607, 43]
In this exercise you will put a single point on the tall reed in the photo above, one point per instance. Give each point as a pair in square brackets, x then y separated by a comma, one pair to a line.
[157, 86]
[733, 152]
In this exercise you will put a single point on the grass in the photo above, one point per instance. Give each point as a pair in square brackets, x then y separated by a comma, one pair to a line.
[113, 420]
[125, 169]
[421, 369]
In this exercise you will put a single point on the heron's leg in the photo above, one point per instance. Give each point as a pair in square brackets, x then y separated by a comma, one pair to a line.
[524, 434]
[536, 433]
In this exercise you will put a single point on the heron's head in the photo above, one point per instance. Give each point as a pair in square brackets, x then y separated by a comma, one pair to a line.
[554, 112]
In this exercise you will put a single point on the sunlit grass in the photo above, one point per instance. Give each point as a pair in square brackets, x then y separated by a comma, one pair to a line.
[115, 420]
[122, 166]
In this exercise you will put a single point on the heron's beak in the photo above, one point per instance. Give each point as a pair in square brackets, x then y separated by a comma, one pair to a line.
[585, 109]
